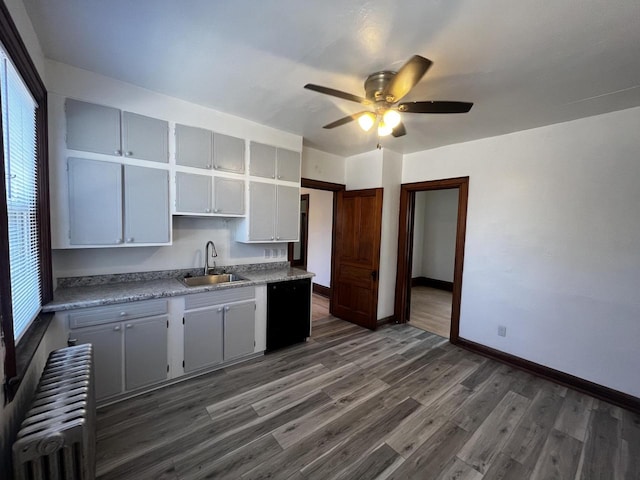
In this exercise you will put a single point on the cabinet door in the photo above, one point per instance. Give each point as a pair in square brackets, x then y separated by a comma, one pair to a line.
[288, 165]
[228, 196]
[145, 352]
[262, 160]
[107, 356]
[194, 146]
[92, 128]
[203, 338]
[146, 205]
[239, 330]
[262, 198]
[288, 216]
[228, 153]
[95, 202]
[193, 193]
[145, 137]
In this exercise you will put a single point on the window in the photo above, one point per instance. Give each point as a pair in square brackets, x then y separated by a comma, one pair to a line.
[20, 165]
[25, 245]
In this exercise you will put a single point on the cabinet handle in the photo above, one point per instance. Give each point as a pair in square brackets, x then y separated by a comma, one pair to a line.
[128, 154]
[129, 325]
[277, 238]
[279, 177]
[273, 176]
[215, 210]
[220, 309]
[216, 167]
[271, 238]
[130, 240]
[226, 309]
[116, 328]
[122, 314]
[118, 240]
[117, 152]
[72, 342]
[208, 165]
[207, 210]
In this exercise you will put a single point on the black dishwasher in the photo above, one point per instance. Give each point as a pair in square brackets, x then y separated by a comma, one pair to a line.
[288, 313]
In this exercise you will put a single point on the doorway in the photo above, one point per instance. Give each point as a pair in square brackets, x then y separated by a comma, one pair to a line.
[315, 249]
[406, 264]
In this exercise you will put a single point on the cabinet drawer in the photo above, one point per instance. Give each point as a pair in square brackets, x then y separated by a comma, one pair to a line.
[206, 299]
[115, 313]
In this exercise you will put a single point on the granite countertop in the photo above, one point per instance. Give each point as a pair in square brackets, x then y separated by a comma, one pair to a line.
[94, 295]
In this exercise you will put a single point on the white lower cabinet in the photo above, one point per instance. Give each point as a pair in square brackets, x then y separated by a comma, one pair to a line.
[218, 327]
[129, 343]
[127, 355]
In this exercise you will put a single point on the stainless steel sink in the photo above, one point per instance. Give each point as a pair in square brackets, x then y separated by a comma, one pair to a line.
[211, 279]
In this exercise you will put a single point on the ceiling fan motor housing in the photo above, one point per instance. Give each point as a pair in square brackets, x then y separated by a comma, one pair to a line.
[376, 84]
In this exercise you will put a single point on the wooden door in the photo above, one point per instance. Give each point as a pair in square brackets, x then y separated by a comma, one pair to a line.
[356, 259]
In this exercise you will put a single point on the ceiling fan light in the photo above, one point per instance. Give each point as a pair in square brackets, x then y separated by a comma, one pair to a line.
[391, 118]
[384, 129]
[366, 121]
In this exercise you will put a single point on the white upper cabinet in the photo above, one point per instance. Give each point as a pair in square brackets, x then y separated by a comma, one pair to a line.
[271, 162]
[97, 216]
[194, 147]
[92, 128]
[288, 165]
[145, 138]
[200, 148]
[228, 153]
[262, 160]
[99, 129]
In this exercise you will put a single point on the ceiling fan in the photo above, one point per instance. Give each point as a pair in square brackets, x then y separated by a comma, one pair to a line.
[383, 91]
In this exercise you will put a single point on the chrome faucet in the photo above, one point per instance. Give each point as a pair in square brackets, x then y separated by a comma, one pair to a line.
[206, 257]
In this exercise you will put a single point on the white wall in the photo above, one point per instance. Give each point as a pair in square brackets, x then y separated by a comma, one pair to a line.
[27, 33]
[319, 165]
[320, 234]
[190, 234]
[436, 213]
[553, 243]
[364, 170]
[391, 178]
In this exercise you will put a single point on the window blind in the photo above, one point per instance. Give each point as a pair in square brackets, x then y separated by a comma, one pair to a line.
[19, 139]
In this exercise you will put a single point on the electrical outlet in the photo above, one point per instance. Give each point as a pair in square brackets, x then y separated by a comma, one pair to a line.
[283, 252]
[502, 331]
[267, 252]
[274, 253]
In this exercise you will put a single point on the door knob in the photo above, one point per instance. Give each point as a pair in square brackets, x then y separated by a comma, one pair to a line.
[374, 275]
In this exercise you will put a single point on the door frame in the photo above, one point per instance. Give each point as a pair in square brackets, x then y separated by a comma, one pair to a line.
[304, 240]
[330, 187]
[405, 247]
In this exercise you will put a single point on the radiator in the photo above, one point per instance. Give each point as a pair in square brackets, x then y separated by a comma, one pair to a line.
[57, 437]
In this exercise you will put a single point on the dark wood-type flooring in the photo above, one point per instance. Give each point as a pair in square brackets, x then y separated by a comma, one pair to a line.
[398, 403]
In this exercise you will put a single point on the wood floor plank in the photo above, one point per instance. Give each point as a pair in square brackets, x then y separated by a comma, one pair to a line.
[559, 457]
[603, 451]
[458, 470]
[574, 415]
[427, 421]
[528, 439]
[360, 444]
[487, 441]
[395, 403]
[229, 405]
[432, 456]
[234, 464]
[373, 466]
[506, 468]
[296, 430]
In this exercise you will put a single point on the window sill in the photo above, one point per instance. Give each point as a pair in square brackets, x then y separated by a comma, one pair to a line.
[25, 350]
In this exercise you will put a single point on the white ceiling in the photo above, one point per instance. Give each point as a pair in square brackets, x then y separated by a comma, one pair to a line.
[523, 63]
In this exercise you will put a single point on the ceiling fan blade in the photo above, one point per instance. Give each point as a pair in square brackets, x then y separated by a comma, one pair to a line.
[337, 93]
[399, 131]
[435, 107]
[406, 78]
[344, 120]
